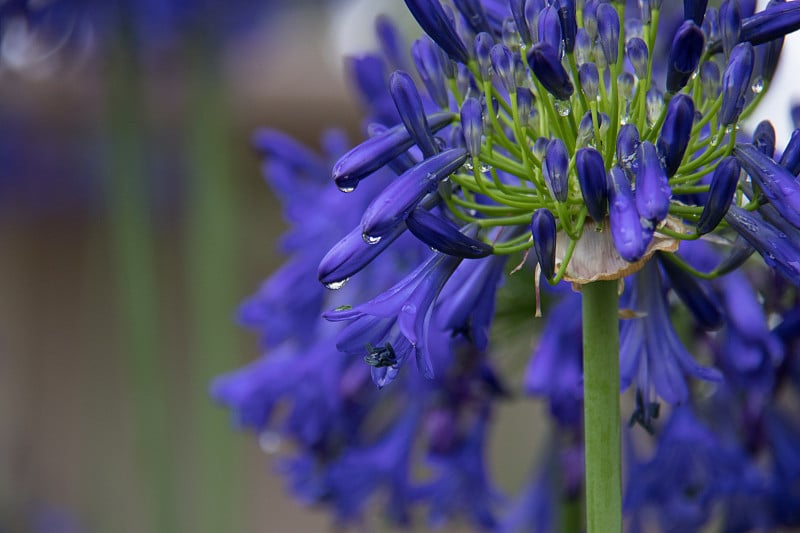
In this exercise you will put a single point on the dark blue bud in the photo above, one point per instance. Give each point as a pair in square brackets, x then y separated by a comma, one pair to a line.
[675, 132]
[390, 208]
[549, 29]
[652, 189]
[684, 55]
[524, 104]
[730, 24]
[630, 239]
[720, 194]
[518, 12]
[591, 170]
[736, 83]
[695, 294]
[443, 236]
[710, 80]
[628, 148]
[569, 22]
[428, 61]
[608, 32]
[474, 14]
[546, 66]
[638, 54]
[543, 229]
[391, 42]
[589, 77]
[776, 21]
[790, 159]
[776, 182]
[555, 168]
[590, 18]
[694, 10]
[472, 125]
[764, 138]
[351, 254]
[374, 153]
[503, 62]
[778, 251]
[409, 106]
[432, 18]
[583, 46]
[483, 48]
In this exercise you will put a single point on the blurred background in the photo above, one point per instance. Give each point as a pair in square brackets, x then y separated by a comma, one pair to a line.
[133, 219]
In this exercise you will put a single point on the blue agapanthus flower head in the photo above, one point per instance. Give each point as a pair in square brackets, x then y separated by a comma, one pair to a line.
[562, 140]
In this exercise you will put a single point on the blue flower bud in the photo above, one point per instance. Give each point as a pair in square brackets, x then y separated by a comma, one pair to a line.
[474, 14]
[428, 61]
[443, 236]
[472, 125]
[546, 66]
[720, 194]
[351, 254]
[638, 54]
[710, 24]
[626, 82]
[675, 132]
[736, 83]
[569, 22]
[630, 239]
[710, 80]
[590, 18]
[392, 205]
[531, 13]
[503, 62]
[790, 159]
[399, 164]
[583, 46]
[654, 102]
[465, 82]
[730, 24]
[652, 189]
[483, 47]
[608, 32]
[739, 253]
[778, 251]
[586, 128]
[549, 29]
[518, 12]
[510, 35]
[777, 183]
[627, 149]
[540, 146]
[769, 54]
[633, 29]
[374, 153]
[684, 55]
[432, 18]
[589, 77]
[524, 104]
[764, 138]
[555, 167]
[694, 10]
[409, 106]
[543, 229]
[591, 170]
[695, 294]
[772, 23]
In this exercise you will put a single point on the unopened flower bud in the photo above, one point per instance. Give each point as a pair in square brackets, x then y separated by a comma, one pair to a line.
[675, 132]
[555, 167]
[543, 229]
[720, 194]
[591, 172]
[764, 138]
[546, 65]
[652, 189]
[638, 55]
[443, 236]
[608, 32]
[472, 125]
[735, 83]
[684, 55]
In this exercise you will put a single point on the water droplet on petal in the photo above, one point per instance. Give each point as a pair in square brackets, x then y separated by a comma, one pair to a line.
[371, 239]
[347, 189]
[758, 85]
[563, 107]
[336, 285]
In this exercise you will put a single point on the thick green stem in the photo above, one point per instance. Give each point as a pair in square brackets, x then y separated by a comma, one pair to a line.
[601, 407]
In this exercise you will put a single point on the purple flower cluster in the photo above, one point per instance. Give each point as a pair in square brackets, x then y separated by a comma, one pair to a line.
[561, 135]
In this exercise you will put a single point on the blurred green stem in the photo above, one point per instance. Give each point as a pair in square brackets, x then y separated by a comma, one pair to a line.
[213, 291]
[601, 407]
[133, 249]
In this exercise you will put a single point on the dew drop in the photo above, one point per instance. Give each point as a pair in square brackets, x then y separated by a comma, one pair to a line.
[347, 189]
[269, 442]
[714, 140]
[336, 285]
[758, 85]
[469, 166]
[371, 239]
[563, 107]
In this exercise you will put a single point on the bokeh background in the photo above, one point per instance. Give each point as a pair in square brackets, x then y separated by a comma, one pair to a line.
[133, 219]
